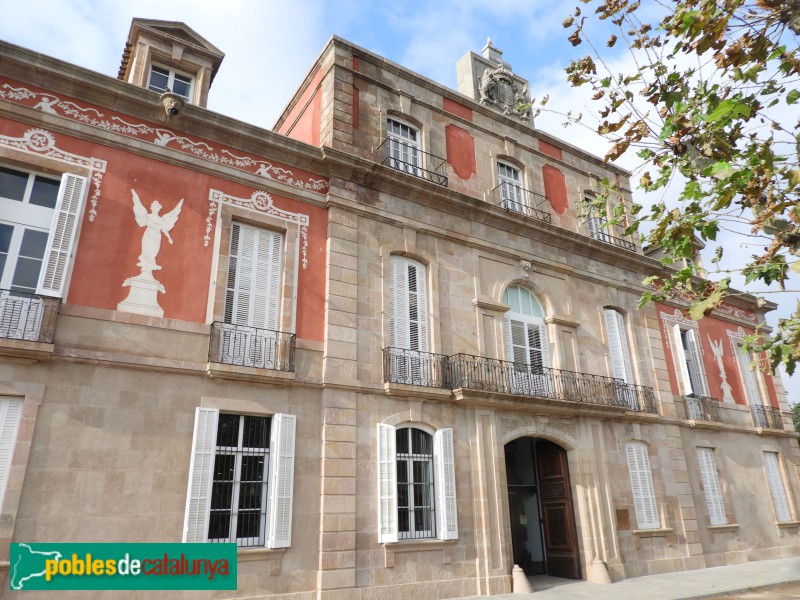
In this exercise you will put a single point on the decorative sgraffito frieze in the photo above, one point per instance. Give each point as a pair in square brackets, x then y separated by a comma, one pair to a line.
[43, 143]
[678, 318]
[260, 201]
[735, 311]
[160, 136]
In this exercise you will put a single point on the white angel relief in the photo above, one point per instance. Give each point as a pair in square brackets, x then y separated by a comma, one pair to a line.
[155, 225]
[144, 288]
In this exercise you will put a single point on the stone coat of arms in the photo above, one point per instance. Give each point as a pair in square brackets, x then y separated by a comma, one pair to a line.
[498, 89]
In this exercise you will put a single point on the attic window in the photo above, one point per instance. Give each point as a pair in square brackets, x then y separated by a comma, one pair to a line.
[163, 80]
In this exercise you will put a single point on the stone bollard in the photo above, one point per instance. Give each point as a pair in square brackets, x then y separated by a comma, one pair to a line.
[599, 572]
[519, 581]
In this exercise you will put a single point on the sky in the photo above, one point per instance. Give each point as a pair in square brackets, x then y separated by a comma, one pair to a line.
[269, 46]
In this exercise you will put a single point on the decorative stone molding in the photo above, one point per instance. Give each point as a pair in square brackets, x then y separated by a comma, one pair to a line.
[260, 201]
[43, 143]
[560, 430]
[499, 89]
[685, 323]
[160, 136]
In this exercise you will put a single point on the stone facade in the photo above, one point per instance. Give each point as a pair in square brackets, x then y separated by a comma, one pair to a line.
[103, 448]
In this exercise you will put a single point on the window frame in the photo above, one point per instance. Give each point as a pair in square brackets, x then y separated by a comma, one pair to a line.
[515, 184]
[683, 337]
[751, 382]
[618, 345]
[409, 460]
[778, 491]
[445, 510]
[279, 473]
[642, 489]
[172, 73]
[413, 160]
[709, 476]
[405, 303]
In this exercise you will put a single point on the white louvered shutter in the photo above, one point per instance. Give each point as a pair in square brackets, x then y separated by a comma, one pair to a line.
[10, 416]
[680, 357]
[387, 484]
[618, 346]
[254, 277]
[696, 372]
[281, 480]
[776, 487]
[748, 377]
[644, 497]
[711, 487]
[201, 475]
[445, 482]
[61, 240]
[409, 305]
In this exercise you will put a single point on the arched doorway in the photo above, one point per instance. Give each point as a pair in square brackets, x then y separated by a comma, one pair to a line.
[543, 533]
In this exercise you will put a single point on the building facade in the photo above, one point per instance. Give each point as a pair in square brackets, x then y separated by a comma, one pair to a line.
[379, 347]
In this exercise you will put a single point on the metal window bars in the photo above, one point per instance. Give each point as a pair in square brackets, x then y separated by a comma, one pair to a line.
[247, 346]
[766, 417]
[25, 316]
[409, 158]
[515, 198]
[702, 408]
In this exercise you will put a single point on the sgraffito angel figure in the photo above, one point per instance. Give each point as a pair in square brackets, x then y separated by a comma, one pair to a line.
[155, 225]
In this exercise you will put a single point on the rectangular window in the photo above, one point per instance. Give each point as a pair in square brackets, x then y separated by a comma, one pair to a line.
[10, 416]
[749, 376]
[777, 488]
[511, 189]
[711, 487]
[618, 345]
[163, 79]
[416, 484]
[687, 355]
[241, 479]
[644, 496]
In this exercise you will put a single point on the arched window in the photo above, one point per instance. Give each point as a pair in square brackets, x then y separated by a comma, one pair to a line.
[526, 337]
[416, 484]
[404, 147]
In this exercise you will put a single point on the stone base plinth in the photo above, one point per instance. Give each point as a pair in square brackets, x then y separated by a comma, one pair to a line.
[143, 296]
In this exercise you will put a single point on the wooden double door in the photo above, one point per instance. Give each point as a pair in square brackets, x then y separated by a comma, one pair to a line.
[543, 533]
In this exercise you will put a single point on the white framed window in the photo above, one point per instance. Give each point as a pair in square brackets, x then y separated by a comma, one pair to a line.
[241, 479]
[511, 189]
[686, 348]
[644, 495]
[777, 487]
[596, 225]
[404, 147]
[10, 417]
[526, 342]
[249, 335]
[749, 376]
[711, 486]
[416, 484]
[408, 318]
[618, 345]
[163, 79]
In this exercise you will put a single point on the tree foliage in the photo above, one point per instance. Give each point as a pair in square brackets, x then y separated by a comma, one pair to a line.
[702, 105]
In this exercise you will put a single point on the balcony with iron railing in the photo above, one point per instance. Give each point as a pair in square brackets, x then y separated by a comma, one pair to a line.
[410, 159]
[701, 408]
[412, 367]
[251, 347]
[518, 199]
[28, 317]
[599, 230]
[766, 417]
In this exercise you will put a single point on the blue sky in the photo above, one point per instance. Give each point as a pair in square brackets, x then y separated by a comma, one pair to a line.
[270, 45]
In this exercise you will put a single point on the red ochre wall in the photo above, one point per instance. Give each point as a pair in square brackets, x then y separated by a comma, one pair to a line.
[108, 248]
[555, 188]
[460, 151]
[717, 330]
[304, 120]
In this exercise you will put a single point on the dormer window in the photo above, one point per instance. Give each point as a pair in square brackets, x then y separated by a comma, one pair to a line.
[163, 80]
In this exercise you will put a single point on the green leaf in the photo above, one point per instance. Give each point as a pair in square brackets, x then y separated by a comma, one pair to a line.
[792, 97]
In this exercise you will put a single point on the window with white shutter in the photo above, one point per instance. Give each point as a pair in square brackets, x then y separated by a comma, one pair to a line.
[711, 487]
[618, 345]
[241, 479]
[644, 496]
[408, 321]
[748, 374]
[526, 342]
[10, 416]
[416, 484]
[777, 488]
[686, 350]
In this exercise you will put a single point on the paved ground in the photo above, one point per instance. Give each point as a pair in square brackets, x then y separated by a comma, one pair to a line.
[780, 576]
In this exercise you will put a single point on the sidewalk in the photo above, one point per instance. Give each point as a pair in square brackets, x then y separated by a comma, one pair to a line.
[685, 585]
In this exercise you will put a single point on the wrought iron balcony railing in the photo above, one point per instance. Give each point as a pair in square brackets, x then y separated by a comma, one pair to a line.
[410, 159]
[518, 199]
[413, 367]
[246, 346]
[701, 408]
[598, 230]
[767, 417]
[490, 374]
[28, 317]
